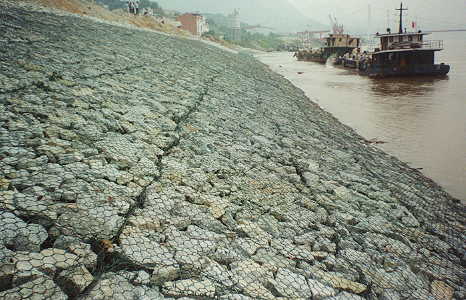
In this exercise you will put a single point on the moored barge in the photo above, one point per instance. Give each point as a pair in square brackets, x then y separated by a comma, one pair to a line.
[405, 54]
[336, 44]
[399, 54]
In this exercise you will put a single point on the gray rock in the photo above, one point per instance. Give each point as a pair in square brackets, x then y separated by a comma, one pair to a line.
[190, 262]
[311, 179]
[289, 250]
[82, 250]
[31, 206]
[19, 277]
[397, 280]
[338, 281]
[20, 235]
[111, 286]
[227, 255]
[162, 274]
[346, 296]
[292, 285]
[375, 224]
[189, 287]
[38, 289]
[235, 297]
[73, 281]
[255, 290]
[390, 295]
[307, 239]
[248, 272]
[319, 290]
[346, 218]
[217, 273]
[100, 223]
[199, 246]
[267, 256]
[136, 277]
[355, 257]
[248, 245]
[198, 233]
[7, 268]
[142, 251]
[324, 244]
[6, 199]
[253, 231]
[47, 261]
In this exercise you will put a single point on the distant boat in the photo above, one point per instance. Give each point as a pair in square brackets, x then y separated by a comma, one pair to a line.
[336, 44]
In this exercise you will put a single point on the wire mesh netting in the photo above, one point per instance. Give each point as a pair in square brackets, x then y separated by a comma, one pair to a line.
[141, 166]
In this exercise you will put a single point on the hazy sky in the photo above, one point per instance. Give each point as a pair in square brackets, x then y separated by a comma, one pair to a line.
[290, 15]
[430, 14]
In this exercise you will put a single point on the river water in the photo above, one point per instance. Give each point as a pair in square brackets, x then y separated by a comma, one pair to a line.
[421, 120]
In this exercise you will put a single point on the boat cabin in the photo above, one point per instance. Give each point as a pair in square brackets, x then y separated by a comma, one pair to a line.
[342, 40]
[338, 44]
[406, 40]
[405, 52]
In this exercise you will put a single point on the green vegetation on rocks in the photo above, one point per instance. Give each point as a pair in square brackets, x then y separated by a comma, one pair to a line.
[220, 28]
[135, 165]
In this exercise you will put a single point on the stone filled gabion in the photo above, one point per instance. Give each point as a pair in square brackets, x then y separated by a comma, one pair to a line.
[135, 165]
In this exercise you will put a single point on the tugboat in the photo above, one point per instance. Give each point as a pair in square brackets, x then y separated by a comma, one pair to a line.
[336, 45]
[404, 54]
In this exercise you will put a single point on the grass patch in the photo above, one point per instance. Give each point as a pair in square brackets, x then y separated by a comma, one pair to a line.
[88, 8]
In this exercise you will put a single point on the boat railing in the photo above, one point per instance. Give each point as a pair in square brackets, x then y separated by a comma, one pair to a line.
[433, 44]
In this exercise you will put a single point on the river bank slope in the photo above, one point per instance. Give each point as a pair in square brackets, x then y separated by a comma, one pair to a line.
[136, 165]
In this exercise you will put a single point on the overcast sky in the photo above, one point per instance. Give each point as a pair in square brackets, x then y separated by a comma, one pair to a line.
[288, 15]
[430, 14]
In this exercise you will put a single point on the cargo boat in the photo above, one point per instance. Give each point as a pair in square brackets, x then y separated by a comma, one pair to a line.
[336, 44]
[399, 54]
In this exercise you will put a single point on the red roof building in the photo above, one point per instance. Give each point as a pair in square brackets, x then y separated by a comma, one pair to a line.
[194, 23]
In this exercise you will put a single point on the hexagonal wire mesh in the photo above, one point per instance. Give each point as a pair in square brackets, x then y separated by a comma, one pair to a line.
[149, 175]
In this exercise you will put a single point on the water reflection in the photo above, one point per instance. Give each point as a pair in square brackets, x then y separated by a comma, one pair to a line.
[416, 87]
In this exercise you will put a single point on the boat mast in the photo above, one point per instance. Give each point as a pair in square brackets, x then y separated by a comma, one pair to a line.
[401, 9]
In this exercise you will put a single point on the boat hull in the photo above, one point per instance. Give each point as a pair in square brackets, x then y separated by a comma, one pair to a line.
[349, 63]
[417, 70]
[321, 60]
[324, 55]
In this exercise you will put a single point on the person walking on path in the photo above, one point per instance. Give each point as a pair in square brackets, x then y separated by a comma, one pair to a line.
[130, 6]
[136, 7]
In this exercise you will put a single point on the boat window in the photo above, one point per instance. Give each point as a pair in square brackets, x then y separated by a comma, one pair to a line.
[390, 39]
[410, 38]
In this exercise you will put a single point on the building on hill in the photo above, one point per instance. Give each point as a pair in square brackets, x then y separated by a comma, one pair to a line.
[235, 26]
[194, 23]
